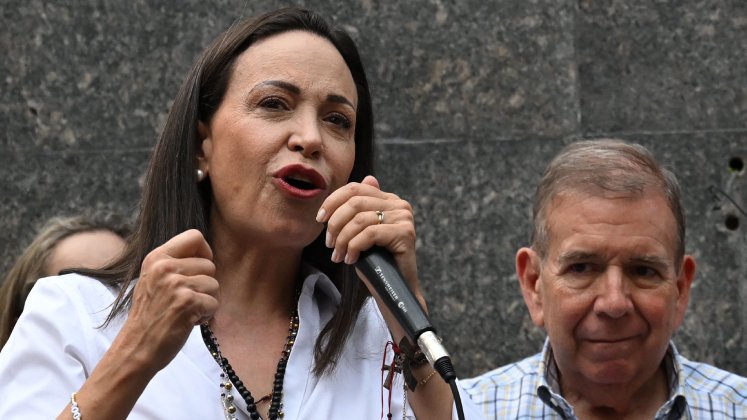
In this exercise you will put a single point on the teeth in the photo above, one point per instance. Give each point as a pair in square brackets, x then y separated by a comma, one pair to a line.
[299, 178]
[300, 182]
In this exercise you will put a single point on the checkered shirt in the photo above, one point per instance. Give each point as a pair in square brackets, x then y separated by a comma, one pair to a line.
[529, 389]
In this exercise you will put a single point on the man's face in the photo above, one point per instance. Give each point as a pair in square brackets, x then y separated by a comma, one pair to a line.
[608, 292]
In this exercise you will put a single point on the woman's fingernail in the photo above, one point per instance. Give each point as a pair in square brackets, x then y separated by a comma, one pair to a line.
[320, 215]
[334, 256]
[328, 240]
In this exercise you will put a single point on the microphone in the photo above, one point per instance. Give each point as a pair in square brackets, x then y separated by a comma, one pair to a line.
[378, 265]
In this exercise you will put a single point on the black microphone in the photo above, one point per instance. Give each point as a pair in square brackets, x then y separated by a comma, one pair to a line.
[378, 265]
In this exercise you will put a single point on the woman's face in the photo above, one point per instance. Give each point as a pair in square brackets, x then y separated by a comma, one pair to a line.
[280, 142]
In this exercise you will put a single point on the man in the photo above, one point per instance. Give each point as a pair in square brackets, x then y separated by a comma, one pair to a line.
[608, 279]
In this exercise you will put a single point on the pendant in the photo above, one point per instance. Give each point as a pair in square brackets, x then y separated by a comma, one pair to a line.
[394, 368]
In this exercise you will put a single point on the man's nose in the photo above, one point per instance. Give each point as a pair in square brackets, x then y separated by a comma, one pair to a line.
[613, 296]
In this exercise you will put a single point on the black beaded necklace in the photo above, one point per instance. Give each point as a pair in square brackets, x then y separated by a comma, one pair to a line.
[229, 378]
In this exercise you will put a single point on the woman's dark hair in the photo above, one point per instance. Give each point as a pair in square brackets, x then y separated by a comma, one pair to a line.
[173, 201]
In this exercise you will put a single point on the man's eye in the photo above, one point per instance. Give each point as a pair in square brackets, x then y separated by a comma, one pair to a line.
[643, 271]
[579, 268]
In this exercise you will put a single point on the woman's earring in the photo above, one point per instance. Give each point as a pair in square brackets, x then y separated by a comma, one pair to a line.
[200, 175]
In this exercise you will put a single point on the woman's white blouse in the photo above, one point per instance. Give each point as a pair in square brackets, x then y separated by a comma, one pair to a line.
[57, 343]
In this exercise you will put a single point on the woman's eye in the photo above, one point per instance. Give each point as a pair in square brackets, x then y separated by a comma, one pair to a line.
[339, 120]
[273, 103]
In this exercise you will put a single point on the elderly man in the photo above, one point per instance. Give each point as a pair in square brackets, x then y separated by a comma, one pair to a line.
[608, 279]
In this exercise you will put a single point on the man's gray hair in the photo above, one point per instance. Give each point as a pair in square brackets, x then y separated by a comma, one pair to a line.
[599, 167]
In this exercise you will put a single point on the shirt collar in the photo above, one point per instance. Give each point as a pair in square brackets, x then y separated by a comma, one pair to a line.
[316, 282]
[548, 388]
[676, 404]
[319, 298]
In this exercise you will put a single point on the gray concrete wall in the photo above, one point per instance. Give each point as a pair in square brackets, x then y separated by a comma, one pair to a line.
[472, 100]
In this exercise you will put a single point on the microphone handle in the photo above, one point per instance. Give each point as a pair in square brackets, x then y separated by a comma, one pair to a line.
[378, 265]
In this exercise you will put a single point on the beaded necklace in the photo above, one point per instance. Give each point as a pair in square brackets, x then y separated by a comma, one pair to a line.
[229, 378]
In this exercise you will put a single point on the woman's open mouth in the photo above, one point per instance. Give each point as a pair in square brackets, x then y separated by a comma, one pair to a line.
[300, 182]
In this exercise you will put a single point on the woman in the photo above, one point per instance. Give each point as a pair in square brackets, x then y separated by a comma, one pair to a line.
[230, 299]
[63, 242]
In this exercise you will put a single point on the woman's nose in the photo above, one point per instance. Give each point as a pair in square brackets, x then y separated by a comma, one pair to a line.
[306, 136]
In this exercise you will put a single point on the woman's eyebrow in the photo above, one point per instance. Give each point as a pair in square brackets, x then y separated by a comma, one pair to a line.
[281, 84]
[340, 100]
[290, 87]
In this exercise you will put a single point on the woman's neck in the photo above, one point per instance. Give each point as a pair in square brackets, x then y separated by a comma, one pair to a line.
[257, 282]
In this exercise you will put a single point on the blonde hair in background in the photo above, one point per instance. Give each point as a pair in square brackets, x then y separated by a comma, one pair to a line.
[32, 264]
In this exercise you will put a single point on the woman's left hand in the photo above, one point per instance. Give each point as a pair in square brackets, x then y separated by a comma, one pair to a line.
[360, 215]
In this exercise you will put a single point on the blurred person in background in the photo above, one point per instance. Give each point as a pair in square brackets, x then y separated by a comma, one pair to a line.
[64, 242]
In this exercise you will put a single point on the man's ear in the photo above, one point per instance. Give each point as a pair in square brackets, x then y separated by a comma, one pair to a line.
[684, 282]
[528, 269]
[205, 148]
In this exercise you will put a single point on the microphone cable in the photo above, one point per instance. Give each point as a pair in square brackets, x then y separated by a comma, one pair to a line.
[444, 368]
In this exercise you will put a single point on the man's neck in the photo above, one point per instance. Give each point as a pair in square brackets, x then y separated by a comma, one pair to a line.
[618, 402]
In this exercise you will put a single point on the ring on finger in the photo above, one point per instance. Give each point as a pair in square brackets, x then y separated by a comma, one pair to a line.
[380, 216]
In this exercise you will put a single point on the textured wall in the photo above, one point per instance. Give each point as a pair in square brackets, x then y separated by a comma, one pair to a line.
[472, 100]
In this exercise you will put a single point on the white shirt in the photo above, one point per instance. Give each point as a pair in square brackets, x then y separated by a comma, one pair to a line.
[57, 342]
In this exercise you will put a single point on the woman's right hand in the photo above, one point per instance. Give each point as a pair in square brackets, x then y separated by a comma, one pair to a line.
[176, 291]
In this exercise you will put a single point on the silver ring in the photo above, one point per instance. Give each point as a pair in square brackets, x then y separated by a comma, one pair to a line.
[380, 216]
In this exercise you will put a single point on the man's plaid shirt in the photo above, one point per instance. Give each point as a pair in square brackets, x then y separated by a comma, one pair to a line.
[529, 389]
